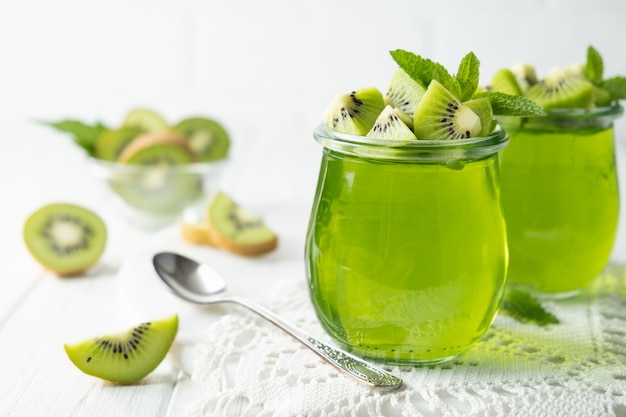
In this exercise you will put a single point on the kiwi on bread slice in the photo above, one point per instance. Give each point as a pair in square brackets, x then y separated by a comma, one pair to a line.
[127, 356]
[195, 232]
[237, 229]
[65, 238]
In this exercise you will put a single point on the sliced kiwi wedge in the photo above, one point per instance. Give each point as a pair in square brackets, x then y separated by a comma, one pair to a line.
[389, 125]
[355, 113]
[237, 229]
[127, 356]
[146, 120]
[65, 238]
[504, 81]
[482, 107]
[440, 116]
[207, 138]
[404, 93]
[158, 188]
[562, 89]
[525, 75]
[111, 143]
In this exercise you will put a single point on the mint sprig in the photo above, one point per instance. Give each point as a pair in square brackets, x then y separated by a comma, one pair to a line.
[616, 86]
[83, 134]
[467, 76]
[424, 70]
[595, 66]
[524, 308]
[504, 104]
[464, 85]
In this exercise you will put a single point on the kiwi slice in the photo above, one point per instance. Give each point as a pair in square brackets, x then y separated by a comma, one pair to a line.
[561, 89]
[355, 113]
[111, 143]
[65, 238]
[237, 229]
[440, 116]
[146, 120]
[504, 81]
[207, 138]
[158, 188]
[127, 356]
[525, 75]
[389, 125]
[404, 93]
[482, 107]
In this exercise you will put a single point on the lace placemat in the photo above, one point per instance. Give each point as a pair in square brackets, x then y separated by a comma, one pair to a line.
[250, 368]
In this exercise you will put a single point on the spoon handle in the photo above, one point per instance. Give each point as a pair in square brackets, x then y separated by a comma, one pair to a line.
[343, 361]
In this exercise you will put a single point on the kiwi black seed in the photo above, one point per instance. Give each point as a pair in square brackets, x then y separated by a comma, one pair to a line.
[65, 238]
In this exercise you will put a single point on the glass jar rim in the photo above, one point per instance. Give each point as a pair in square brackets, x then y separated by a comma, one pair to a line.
[613, 112]
[568, 119]
[436, 151]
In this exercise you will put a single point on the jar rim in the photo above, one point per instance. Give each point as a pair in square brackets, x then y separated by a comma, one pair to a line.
[613, 111]
[416, 150]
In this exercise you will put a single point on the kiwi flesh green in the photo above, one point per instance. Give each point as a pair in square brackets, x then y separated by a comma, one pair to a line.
[525, 75]
[355, 113]
[207, 138]
[404, 93]
[127, 356]
[146, 120]
[441, 116]
[237, 229]
[482, 107]
[65, 238]
[561, 89]
[111, 143]
[159, 189]
[504, 81]
[389, 125]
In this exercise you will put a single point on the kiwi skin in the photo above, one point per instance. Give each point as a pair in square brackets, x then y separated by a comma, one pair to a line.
[73, 261]
[156, 138]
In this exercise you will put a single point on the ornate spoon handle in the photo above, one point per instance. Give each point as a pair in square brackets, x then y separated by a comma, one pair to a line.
[345, 362]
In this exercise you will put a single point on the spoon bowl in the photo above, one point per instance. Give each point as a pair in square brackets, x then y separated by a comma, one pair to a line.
[200, 284]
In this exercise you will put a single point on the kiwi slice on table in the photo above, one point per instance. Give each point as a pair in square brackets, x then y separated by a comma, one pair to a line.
[440, 115]
[111, 143]
[355, 113]
[207, 138]
[404, 93]
[237, 229]
[146, 120]
[389, 125]
[65, 238]
[159, 189]
[504, 81]
[127, 356]
[561, 89]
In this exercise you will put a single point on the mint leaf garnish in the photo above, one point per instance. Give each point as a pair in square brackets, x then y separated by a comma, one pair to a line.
[524, 308]
[467, 76]
[85, 135]
[616, 86]
[424, 70]
[509, 105]
[595, 65]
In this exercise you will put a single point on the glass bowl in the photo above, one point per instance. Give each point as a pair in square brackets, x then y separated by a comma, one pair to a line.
[153, 196]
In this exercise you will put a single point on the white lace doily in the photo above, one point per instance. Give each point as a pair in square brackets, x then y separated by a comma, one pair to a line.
[250, 368]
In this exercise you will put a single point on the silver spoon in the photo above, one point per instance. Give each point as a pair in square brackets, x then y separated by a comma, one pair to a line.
[202, 285]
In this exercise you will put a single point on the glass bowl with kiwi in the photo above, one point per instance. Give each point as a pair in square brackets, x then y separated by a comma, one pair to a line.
[153, 172]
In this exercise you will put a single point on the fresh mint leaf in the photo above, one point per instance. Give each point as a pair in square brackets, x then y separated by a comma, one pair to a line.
[424, 70]
[595, 65]
[616, 86]
[85, 135]
[468, 76]
[524, 308]
[509, 105]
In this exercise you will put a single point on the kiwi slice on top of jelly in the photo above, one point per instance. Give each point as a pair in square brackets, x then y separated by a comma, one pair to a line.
[562, 89]
[390, 125]
[127, 356]
[65, 238]
[404, 93]
[440, 116]
[355, 113]
[207, 138]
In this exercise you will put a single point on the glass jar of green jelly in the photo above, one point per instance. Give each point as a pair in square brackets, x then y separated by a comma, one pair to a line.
[406, 249]
[560, 198]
